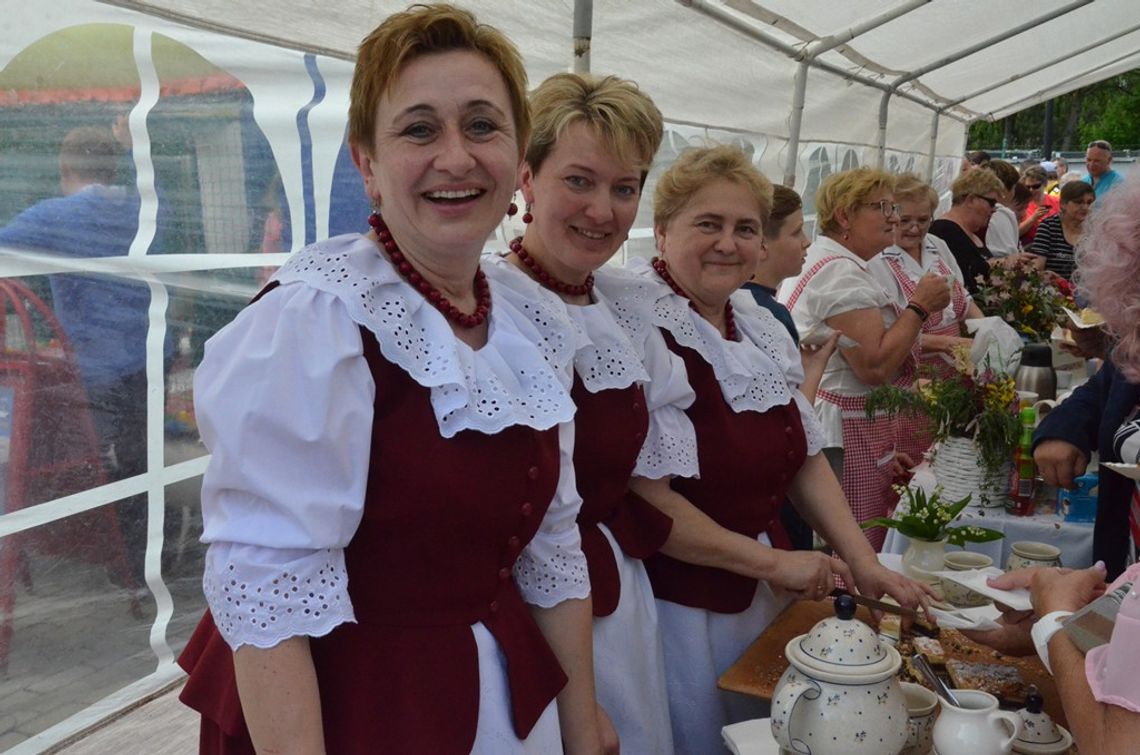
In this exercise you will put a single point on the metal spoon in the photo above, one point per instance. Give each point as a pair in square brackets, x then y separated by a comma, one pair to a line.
[923, 666]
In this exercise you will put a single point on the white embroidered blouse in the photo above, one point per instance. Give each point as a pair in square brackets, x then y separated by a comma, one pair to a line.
[284, 401]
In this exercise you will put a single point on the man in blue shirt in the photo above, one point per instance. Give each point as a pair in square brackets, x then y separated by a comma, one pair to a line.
[104, 317]
[1098, 160]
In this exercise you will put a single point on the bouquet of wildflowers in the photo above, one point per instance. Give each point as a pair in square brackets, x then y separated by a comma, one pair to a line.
[977, 403]
[923, 517]
[1032, 301]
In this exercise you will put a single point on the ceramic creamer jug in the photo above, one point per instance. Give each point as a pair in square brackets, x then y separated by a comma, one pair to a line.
[840, 696]
[976, 727]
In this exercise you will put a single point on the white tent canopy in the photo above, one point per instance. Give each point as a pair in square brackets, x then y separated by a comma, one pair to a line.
[730, 65]
[236, 114]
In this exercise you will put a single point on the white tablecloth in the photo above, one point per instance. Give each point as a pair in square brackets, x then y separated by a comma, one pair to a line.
[1074, 539]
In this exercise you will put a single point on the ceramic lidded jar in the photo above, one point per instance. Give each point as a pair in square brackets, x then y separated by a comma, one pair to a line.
[840, 696]
[1040, 735]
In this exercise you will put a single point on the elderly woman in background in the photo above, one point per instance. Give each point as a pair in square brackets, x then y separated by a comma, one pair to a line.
[722, 575]
[915, 252]
[1041, 205]
[1002, 236]
[1059, 234]
[899, 269]
[1099, 690]
[974, 196]
[857, 215]
[390, 483]
[592, 145]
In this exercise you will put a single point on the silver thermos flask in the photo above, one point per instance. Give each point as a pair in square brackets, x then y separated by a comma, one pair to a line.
[1036, 371]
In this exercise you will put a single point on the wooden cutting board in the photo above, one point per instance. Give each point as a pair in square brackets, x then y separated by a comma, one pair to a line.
[758, 670]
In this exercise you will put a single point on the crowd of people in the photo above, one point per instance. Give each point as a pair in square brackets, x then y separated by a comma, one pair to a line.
[537, 503]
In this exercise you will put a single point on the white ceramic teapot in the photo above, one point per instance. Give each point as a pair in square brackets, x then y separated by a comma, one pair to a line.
[840, 696]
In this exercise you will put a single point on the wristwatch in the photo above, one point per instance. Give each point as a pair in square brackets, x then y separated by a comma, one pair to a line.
[1043, 631]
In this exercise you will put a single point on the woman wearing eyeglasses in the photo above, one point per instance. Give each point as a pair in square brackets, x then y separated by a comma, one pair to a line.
[857, 215]
[974, 196]
[899, 269]
[1041, 205]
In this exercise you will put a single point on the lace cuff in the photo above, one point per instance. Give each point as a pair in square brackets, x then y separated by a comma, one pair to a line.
[812, 427]
[261, 596]
[553, 569]
[670, 447]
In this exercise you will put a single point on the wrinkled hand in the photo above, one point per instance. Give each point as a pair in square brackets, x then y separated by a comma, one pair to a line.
[1012, 637]
[809, 575]
[875, 580]
[1040, 212]
[1090, 343]
[815, 357]
[609, 735]
[931, 293]
[1052, 589]
[901, 464]
[1059, 462]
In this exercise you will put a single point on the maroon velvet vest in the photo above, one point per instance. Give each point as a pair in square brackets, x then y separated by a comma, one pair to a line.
[444, 521]
[747, 461]
[609, 430]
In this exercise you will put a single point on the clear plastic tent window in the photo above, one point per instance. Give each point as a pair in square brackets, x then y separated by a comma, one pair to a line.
[159, 160]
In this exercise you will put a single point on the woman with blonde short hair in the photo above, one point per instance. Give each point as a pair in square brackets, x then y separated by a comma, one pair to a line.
[724, 574]
[393, 564]
[973, 198]
[857, 216]
[593, 142]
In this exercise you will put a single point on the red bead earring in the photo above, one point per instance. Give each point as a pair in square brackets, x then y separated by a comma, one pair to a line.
[512, 210]
[527, 217]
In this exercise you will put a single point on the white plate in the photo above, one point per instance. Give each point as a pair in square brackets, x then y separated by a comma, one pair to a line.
[751, 738]
[1075, 319]
[1131, 471]
[975, 579]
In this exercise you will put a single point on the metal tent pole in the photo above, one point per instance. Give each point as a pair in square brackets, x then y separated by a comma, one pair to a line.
[583, 31]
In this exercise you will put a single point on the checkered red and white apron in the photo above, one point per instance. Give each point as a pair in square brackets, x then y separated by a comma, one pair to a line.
[915, 434]
[869, 444]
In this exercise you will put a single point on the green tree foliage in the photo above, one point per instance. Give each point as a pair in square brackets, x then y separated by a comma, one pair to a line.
[1105, 110]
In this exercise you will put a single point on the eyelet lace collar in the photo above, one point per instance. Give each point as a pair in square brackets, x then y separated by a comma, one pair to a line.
[514, 379]
[752, 372]
[604, 357]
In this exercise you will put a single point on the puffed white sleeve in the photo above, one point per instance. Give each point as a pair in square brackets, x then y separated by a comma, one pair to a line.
[552, 567]
[842, 287]
[670, 447]
[284, 402]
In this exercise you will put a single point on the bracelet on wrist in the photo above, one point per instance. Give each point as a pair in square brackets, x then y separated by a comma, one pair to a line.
[922, 313]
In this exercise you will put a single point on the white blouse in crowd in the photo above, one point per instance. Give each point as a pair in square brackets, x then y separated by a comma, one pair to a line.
[1002, 234]
[284, 400]
[841, 286]
[760, 371]
[934, 249]
[616, 346]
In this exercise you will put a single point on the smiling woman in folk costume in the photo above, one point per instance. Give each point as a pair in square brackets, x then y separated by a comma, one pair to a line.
[718, 579]
[591, 147]
[391, 482]
[857, 215]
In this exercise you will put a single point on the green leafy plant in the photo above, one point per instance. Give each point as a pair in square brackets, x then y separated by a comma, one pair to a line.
[980, 404]
[923, 517]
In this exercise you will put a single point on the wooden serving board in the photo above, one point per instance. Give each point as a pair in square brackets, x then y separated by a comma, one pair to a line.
[758, 670]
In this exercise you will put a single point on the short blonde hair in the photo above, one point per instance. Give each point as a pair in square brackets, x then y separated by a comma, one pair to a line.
[845, 191]
[696, 168]
[423, 30]
[911, 188]
[975, 183]
[621, 115]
